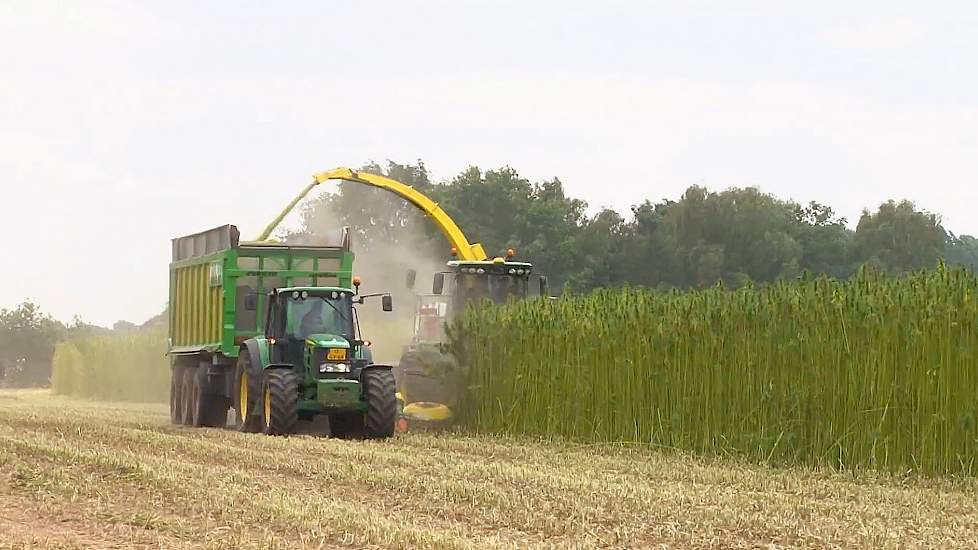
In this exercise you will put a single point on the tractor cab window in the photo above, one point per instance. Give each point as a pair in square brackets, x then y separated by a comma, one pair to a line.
[327, 314]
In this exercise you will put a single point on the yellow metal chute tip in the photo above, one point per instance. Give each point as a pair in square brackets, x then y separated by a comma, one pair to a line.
[428, 412]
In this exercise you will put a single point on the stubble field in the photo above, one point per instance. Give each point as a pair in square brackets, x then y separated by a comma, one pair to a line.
[78, 474]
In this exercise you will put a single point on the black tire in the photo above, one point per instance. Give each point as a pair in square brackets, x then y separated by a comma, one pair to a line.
[348, 425]
[244, 418]
[187, 396]
[379, 390]
[176, 388]
[280, 401]
[217, 414]
[207, 409]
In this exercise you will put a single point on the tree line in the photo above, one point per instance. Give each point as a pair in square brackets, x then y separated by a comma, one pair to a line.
[734, 236]
[28, 336]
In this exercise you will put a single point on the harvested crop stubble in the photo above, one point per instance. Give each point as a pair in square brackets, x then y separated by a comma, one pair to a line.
[92, 475]
[873, 372]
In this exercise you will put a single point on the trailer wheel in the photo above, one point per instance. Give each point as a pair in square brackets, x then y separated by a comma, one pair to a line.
[244, 395]
[176, 388]
[207, 409]
[380, 392]
[187, 396]
[280, 401]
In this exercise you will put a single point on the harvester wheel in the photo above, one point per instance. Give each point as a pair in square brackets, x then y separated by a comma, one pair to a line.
[280, 401]
[187, 396]
[176, 387]
[245, 395]
[381, 396]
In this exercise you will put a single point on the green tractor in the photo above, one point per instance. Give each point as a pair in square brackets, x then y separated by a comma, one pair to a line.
[269, 330]
[310, 362]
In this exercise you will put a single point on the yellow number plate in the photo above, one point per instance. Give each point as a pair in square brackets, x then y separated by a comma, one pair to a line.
[336, 354]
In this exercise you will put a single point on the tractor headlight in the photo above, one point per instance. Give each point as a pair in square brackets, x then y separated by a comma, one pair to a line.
[334, 367]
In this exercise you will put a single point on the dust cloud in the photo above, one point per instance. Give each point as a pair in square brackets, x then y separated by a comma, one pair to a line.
[382, 265]
[384, 268]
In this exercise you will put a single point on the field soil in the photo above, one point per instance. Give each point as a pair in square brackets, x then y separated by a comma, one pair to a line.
[76, 474]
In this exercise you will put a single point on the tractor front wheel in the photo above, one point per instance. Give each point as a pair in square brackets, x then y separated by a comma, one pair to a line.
[280, 401]
[380, 392]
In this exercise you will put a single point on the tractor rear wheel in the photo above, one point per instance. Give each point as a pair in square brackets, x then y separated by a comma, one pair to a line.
[176, 387]
[280, 401]
[245, 395]
[380, 392]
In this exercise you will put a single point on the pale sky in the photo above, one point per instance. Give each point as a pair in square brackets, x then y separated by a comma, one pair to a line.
[124, 124]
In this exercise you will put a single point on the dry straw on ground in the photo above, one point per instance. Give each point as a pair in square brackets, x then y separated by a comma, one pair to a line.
[80, 474]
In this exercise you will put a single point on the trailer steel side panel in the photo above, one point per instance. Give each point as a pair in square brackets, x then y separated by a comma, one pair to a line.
[219, 286]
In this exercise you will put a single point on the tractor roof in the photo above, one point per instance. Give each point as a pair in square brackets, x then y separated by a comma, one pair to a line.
[314, 289]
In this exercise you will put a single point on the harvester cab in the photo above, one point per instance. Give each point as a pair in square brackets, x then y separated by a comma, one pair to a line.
[430, 380]
[466, 281]
[496, 280]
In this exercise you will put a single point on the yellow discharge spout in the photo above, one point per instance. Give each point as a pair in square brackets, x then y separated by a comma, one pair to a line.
[466, 250]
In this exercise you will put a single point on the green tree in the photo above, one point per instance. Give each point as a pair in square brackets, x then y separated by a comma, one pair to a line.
[600, 249]
[899, 238]
[824, 240]
[27, 339]
[734, 235]
[962, 250]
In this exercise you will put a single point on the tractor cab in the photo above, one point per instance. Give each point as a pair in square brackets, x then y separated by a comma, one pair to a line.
[315, 329]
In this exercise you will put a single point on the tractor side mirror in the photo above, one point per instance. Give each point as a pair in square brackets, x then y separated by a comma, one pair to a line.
[386, 302]
[544, 287]
[438, 285]
[412, 275]
[251, 302]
